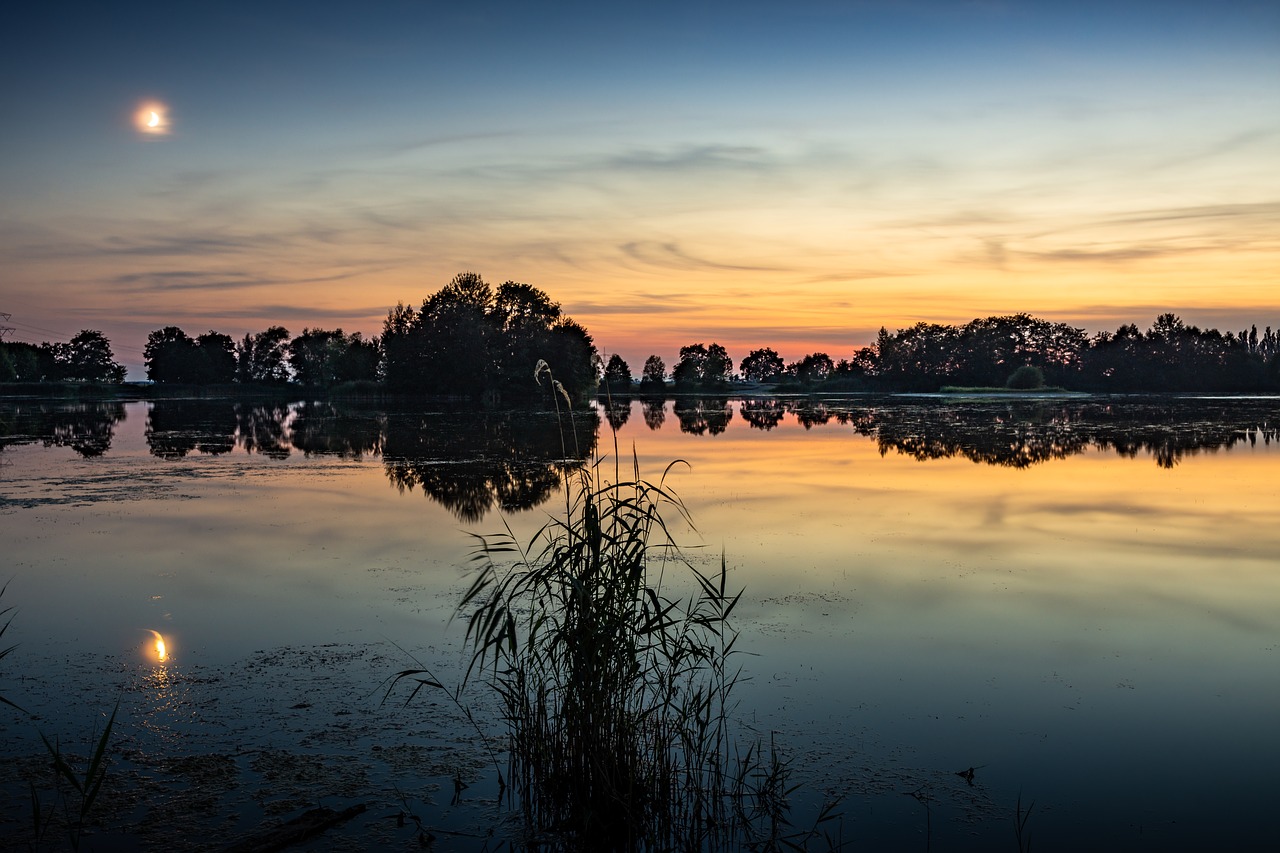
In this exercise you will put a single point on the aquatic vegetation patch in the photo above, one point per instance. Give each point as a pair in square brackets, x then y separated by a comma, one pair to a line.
[617, 694]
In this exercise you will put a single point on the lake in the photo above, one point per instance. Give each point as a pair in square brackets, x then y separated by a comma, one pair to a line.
[1077, 597]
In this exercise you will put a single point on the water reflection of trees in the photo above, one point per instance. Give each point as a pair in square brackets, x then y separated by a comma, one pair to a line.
[1009, 432]
[654, 412]
[472, 463]
[617, 411]
[699, 415]
[764, 413]
[86, 428]
[1019, 434]
[263, 428]
[326, 429]
[176, 428]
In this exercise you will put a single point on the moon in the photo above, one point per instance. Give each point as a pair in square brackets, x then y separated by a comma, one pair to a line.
[151, 119]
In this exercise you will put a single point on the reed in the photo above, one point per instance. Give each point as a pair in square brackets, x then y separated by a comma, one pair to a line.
[1020, 819]
[4, 652]
[616, 695]
[75, 792]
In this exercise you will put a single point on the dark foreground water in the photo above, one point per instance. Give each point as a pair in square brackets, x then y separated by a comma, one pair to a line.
[1079, 598]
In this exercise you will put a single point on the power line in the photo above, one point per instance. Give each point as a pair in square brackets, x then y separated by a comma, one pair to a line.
[29, 331]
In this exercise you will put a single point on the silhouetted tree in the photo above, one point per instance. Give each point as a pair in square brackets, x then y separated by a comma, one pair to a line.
[87, 357]
[322, 358]
[26, 362]
[702, 367]
[617, 375]
[457, 338]
[689, 369]
[173, 356]
[762, 365]
[404, 364]
[169, 355]
[469, 341]
[653, 378]
[813, 369]
[262, 358]
[217, 358]
[523, 317]
[572, 358]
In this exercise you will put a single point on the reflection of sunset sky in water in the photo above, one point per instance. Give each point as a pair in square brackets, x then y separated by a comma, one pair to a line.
[1086, 622]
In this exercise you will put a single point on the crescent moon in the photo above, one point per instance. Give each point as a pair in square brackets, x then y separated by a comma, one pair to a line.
[154, 120]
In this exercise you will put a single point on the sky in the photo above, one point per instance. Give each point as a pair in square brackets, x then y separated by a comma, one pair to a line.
[751, 173]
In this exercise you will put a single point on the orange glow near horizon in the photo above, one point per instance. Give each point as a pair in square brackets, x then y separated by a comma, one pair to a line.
[721, 276]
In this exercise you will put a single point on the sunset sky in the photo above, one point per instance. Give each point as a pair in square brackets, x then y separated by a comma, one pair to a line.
[758, 174]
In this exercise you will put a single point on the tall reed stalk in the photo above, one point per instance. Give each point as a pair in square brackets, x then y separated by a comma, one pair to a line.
[616, 695]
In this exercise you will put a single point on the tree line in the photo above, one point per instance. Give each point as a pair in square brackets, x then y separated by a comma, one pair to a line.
[469, 339]
[1015, 351]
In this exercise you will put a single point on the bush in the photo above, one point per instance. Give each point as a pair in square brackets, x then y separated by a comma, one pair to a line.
[1026, 378]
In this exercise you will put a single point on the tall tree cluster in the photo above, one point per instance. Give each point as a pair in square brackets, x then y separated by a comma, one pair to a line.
[470, 340]
[174, 356]
[702, 367]
[318, 358]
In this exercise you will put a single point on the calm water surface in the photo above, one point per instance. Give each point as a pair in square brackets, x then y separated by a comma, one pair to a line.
[1079, 598]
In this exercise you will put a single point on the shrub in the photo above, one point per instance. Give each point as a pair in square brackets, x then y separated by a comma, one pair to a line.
[1026, 378]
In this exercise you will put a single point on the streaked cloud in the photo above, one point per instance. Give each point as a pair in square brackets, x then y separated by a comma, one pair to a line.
[671, 256]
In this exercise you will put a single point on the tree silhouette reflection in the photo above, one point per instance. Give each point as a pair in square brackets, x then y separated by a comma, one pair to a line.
[86, 428]
[765, 413]
[617, 411]
[473, 463]
[178, 427]
[327, 429]
[654, 411]
[263, 429]
[1019, 435]
[699, 415]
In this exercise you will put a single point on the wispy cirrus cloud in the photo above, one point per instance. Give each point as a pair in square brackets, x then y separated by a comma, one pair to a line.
[669, 255]
[1128, 253]
[171, 280]
[1267, 212]
[692, 158]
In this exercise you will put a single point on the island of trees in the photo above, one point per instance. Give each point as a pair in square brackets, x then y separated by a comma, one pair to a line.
[471, 340]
